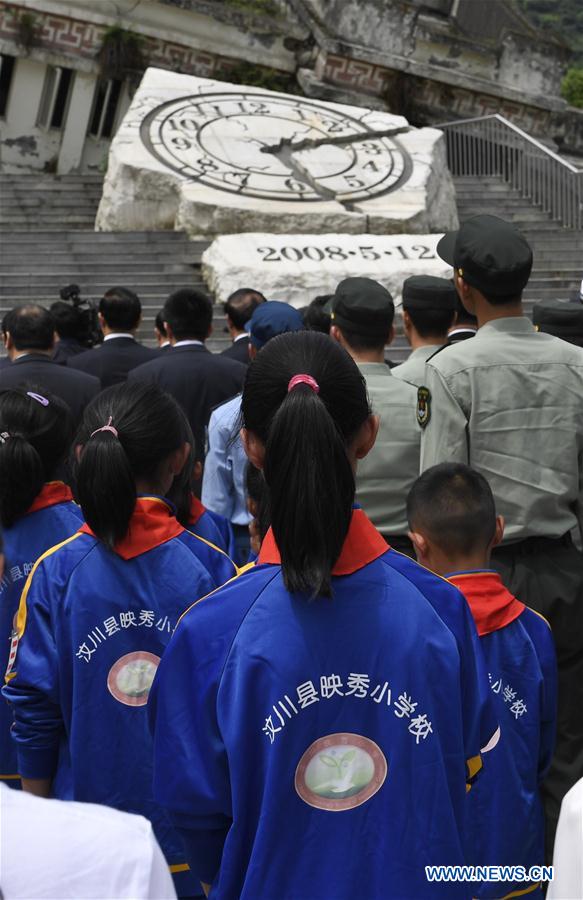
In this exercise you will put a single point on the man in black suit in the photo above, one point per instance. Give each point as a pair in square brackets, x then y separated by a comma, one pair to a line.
[196, 378]
[160, 332]
[239, 309]
[70, 326]
[29, 337]
[120, 312]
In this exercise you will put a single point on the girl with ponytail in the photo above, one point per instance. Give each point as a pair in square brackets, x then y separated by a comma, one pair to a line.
[36, 511]
[98, 610]
[318, 721]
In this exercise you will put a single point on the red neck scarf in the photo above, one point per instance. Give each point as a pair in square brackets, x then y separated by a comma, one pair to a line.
[152, 524]
[52, 493]
[196, 510]
[362, 545]
[492, 605]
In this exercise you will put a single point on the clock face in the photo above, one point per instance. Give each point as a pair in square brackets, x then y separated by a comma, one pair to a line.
[274, 147]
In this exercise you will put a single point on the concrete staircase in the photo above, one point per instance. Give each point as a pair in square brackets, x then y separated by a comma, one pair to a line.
[47, 241]
[558, 251]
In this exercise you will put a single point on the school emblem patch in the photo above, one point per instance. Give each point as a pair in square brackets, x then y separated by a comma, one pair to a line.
[130, 678]
[340, 771]
[423, 406]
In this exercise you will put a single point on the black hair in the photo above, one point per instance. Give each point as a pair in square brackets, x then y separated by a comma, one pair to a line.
[362, 342]
[257, 492]
[189, 314]
[32, 327]
[454, 505]
[307, 471]
[121, 309]
[431, 323]
[70, 321]
[315, 319]
[241, 304]
[501, 300]
[463, 317]
[34, 439]
[159, 322]
[150, 426]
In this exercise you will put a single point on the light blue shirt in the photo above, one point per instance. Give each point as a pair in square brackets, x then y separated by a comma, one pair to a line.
[223, 483]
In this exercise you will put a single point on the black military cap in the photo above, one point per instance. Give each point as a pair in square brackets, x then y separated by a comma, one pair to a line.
[362, 305]
[429, 292]
[562, 318]
[490, 254]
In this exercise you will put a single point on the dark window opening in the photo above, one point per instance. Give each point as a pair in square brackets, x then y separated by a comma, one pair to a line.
[6, 70]
[61, 99]
[105, 103]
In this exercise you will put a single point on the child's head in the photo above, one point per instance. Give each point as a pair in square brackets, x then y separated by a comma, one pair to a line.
[132, 440]
[452, 519]
[35, 436]
[306, 421]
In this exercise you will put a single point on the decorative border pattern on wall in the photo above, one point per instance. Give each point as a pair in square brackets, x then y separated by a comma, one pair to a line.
[76, 38]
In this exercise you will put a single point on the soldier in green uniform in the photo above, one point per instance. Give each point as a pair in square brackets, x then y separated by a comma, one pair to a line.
[429, 305]
[362, 322]
[510, 404]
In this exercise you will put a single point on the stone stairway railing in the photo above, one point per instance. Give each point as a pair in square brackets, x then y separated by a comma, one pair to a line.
[492, 146]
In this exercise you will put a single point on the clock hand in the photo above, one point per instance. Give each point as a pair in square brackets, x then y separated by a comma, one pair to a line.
[341, 140]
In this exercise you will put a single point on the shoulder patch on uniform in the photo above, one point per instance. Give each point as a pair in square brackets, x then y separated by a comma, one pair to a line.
[423, 406]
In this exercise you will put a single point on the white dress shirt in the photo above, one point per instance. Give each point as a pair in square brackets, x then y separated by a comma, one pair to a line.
[60, 849]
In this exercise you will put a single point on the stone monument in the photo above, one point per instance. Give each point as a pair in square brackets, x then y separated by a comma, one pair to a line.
[213, 158]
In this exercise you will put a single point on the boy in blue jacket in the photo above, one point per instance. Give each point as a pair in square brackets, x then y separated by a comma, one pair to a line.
[454, 527]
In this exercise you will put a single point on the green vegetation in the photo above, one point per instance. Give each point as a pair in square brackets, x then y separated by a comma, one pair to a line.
[121, 53]
[572, 87]
[565, 18]
[259, 76]
[262, 7]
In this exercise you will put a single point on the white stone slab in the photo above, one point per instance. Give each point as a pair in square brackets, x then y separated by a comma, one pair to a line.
[296, 268]
[213, 158]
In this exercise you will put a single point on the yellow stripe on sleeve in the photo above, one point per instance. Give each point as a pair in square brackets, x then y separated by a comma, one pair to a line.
[21, 615]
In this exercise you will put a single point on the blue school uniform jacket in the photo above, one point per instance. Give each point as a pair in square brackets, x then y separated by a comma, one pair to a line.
[506, 823]
[52, 517]
[323, 749]
[92, 626]
[211, 526]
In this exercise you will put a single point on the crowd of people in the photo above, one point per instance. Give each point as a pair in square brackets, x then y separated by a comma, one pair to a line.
[317, 618]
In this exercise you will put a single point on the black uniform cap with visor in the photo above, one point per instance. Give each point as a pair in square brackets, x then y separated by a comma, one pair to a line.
[490, 255]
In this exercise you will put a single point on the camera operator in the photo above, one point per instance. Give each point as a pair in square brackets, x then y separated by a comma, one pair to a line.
[75, 323]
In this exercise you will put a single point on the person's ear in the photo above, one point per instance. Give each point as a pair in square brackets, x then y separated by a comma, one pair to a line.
[178, 458]
[78, 452]
[253, 447]
[366, 437]
[210, 331]
[498, 532]
[1, 566]
[101, 320]
[420, 545]
[391, 336]
[406, 321]
[8, 342]
[252, 351]
[465, 292]
[169, 333]
[335, 333]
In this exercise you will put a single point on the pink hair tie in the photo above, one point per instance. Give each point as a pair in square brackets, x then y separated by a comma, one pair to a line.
[108, 427]
[303, 379]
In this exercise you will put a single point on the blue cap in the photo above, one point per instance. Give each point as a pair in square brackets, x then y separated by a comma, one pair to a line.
[270, 319]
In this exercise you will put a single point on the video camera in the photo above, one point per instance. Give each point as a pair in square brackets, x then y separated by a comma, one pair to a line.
[80, 320]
